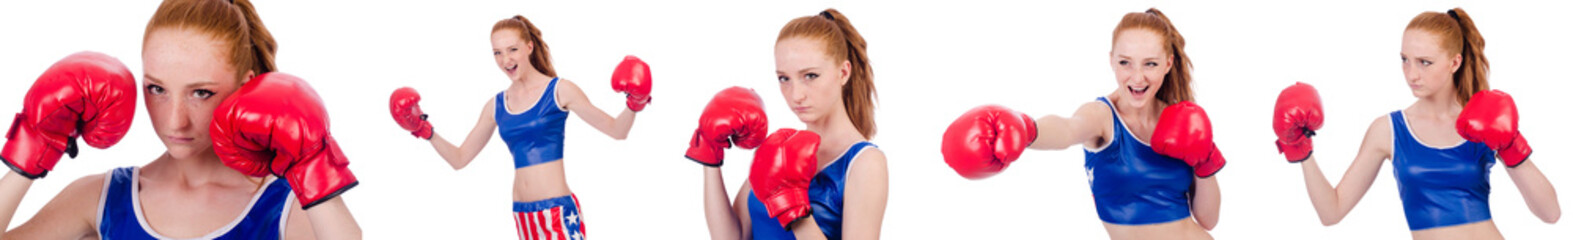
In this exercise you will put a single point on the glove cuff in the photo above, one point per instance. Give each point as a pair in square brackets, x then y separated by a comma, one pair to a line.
[1211, 165]
[1295, 152]
[1516, 152]
[787, 205]
[318, 179]
[28, 155]
[637, 103]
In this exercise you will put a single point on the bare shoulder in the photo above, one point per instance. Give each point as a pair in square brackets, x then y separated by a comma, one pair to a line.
[84, 191]
[870, 157]
[1380, 133]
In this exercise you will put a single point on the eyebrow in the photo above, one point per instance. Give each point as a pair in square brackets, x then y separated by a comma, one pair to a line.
[810, 69]
[154, 80]
[1123, 56]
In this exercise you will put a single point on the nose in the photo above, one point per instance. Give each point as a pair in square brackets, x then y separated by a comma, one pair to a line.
[794, 92]
[1410, 73]
[179, 116]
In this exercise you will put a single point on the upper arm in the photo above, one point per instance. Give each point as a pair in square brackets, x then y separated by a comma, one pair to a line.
[485, 125]
[1090, 121]
[297, 225]
[571, 97]
[1377, 147]
[71, 214]
[868, 184]
[740, 206]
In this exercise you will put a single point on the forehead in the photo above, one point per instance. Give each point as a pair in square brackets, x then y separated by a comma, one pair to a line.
[505, 37]
[797, 53]
[183, 55]
[1419, 42]
[1138, 43]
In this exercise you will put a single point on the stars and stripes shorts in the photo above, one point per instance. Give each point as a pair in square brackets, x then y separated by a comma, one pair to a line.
[549, 219]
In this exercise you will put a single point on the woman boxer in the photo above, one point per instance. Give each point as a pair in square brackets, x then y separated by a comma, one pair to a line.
[530, 115]
[196, 54]
[1142, 191]
[1442, 178]
[823, 70]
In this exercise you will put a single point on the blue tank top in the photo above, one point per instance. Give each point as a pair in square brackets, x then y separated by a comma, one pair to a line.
[1440, 186]
[825, 194]
[536, 135]
[120, 213]
[1132, 185]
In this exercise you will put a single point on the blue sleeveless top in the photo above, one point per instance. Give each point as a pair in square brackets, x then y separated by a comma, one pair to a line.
[1132, 185]
[536, 135]
[1440, 186]
[825, 194]
[120, 212]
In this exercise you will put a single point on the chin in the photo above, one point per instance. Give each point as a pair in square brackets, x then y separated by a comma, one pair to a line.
[184, 151]
[808, 117]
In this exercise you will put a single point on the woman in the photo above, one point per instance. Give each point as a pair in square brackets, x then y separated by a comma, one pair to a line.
[1442, 178]
[1142, 191]
[823, 70]
[195, 54]
[530, 115]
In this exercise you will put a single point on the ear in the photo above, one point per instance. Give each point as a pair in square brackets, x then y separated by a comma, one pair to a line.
[1169, 65]
[249, 75]
[1458, 61]
[846, 72]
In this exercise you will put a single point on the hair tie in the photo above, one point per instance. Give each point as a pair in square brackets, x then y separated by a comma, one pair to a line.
[827, 15]
[1451, 13]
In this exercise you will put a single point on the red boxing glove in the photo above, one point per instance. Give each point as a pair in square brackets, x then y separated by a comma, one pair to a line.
[986, 139]
[1184, 133]
[632, 77]
[1296, 118]
[1491, 117]
[783, 168]
[406, 109]
[735, 115]
[88, 95]
[276, 124]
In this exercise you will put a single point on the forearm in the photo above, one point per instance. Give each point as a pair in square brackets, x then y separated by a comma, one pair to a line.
[1054, 133]
[1206, 202]
[12, 187]
[622, 125]
[454, 155]
[718, 208]
[332, 220]
[1323, 196]
[1537, 190]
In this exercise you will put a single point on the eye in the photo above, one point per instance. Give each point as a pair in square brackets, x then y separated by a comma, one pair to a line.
[1425, 63]
[513, 49]
[1125, 62]
[1150, 64]
[202, 94]
[782, 78]
[155, 89]
[496, 52]
[811, 76]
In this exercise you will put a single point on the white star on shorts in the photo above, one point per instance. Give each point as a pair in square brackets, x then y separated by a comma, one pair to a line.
[573, 219]
[576, 236]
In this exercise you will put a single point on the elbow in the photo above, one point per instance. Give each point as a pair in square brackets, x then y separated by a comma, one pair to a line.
[1328, 222]
[1552, 217]
[1208, 225]
[620, 137]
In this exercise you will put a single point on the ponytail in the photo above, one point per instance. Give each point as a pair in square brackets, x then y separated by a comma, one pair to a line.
[233, 23]
[843, 42]
[1177, 82]
[541, 57]
[1473, 72]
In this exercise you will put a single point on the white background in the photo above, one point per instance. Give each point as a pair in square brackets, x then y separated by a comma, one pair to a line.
[933, 61]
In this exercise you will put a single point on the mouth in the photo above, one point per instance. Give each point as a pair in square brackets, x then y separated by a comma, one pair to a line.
[1138, 91]
[512, 69]
[180, 139]
[800, 109]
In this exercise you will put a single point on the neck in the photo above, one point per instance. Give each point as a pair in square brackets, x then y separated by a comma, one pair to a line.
[1441, 104]
[531, 76]
[1150, 112]
[200, 169]
[835, 130]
